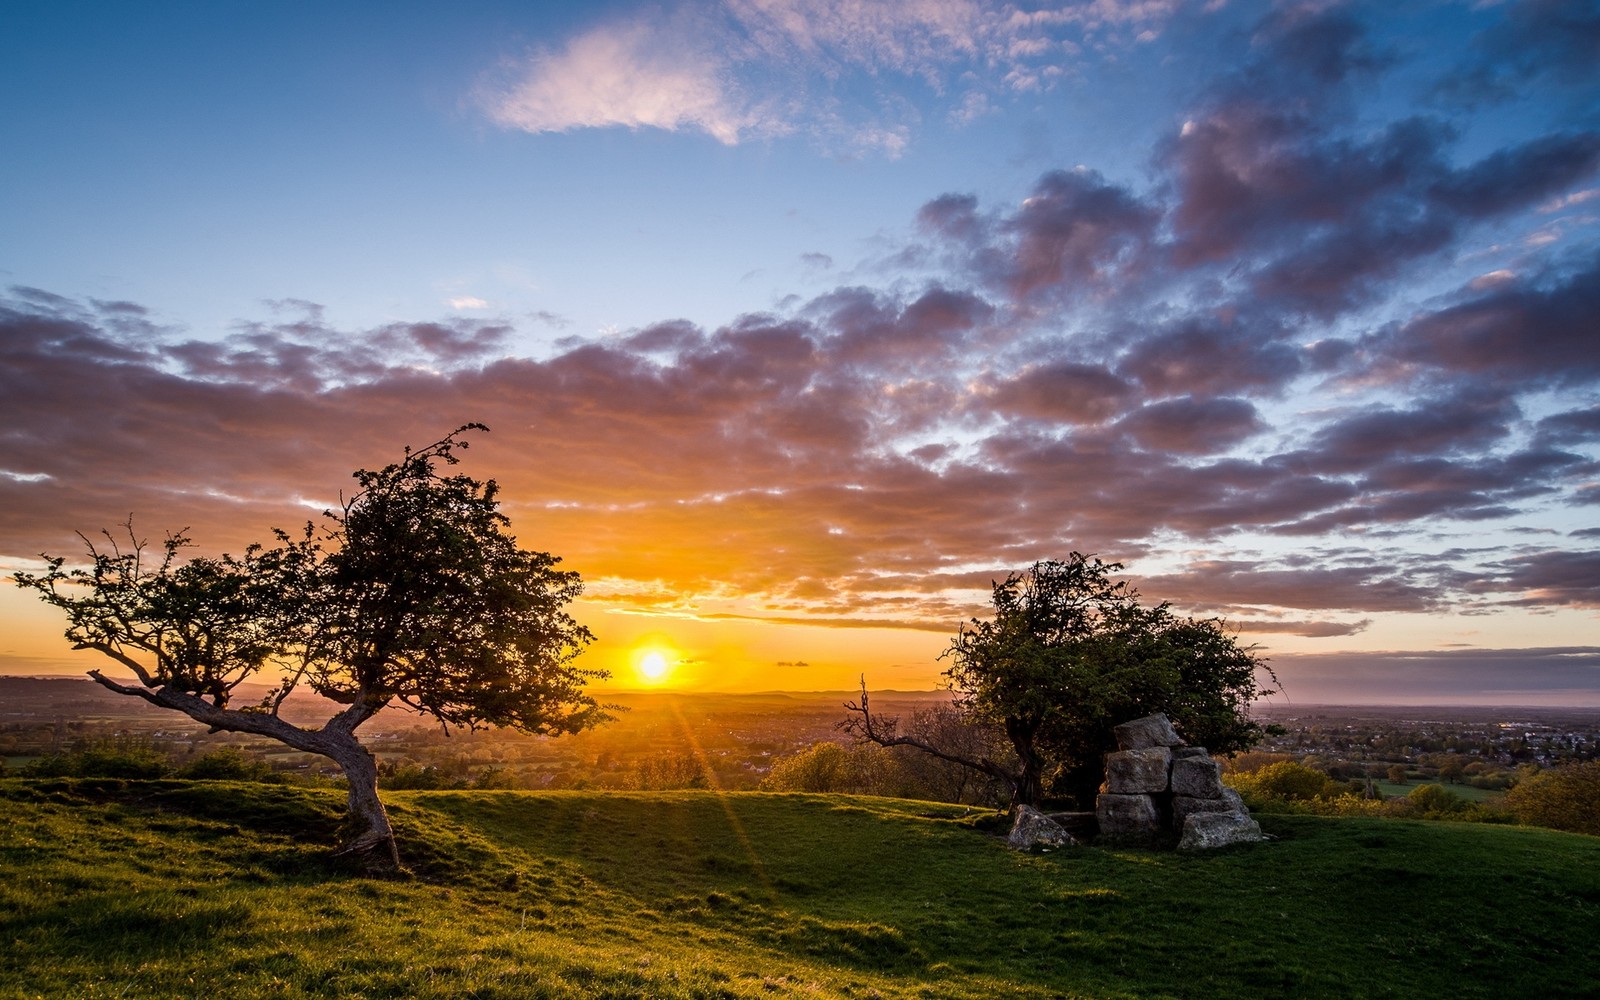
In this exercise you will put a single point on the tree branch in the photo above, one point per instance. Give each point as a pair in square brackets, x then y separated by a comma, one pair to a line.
[884, 732]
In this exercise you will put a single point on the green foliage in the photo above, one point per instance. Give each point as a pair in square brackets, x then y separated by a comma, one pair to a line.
[159, 889]
[200, 626]
[1562, 798]
[829, 767]
[1070, 653]
[669, 771]
[229, 764]
[1285, 780]
[118, 757]
[418, 593]
[1434, 802]
[414, 593]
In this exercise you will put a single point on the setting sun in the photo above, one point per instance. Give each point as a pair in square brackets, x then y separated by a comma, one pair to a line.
[653, 667]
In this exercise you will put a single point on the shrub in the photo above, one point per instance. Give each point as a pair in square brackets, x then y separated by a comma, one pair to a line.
[229, 764]
[1286, 781]
[1434, 801]
[859, 770]
[114, 758]
[1562, 798]
[420, 778]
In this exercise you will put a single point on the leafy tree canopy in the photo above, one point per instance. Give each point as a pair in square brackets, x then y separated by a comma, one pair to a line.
[413, 592]
[1070, 653]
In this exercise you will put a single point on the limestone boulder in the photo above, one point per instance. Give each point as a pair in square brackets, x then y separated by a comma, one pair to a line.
[1206, 830]
[1150, 731]
[1082, 825]
[1184, 806]
[1032, 828]
[1127, 818]
[1138, 772]
[1197, 777]
[1178, 753]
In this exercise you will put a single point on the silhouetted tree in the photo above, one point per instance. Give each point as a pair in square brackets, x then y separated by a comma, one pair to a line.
[413, 593]
[1069, 654]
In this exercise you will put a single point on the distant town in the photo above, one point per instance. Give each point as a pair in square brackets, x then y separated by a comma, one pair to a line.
[732, 741]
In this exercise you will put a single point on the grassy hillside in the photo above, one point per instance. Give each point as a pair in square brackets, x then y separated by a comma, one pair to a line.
[146, 889]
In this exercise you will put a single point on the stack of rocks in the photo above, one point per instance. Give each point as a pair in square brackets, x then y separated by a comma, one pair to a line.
[1156, 786]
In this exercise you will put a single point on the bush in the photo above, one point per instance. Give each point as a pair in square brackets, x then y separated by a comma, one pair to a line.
[1563, 798]
[1434, 802]
[1285, 781]
[1252, 761]
[414, 777]
[115, 758]
[856, 770]
[229, 764]
[667, 771]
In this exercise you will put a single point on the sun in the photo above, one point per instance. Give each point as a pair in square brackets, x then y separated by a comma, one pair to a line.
[653, 667]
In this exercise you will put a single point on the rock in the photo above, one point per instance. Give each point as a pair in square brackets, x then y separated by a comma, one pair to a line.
[1180, 753]
[1128, 818]
[1033, 828]
[1150, 731]
[1206, 830]
[1183, 806]
[1197, 777]
[1082, 825]
[1131, 772]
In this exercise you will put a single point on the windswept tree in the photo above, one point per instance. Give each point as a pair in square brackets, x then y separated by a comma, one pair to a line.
[1069, 654]
[412, 593]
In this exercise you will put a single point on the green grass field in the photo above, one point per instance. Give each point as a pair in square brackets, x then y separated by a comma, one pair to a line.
[1389, 789]
[173, 889]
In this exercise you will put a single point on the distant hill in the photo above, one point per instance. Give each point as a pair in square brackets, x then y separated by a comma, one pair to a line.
[44, 698]
[161, 889]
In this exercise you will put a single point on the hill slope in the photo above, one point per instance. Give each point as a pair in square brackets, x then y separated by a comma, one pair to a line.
[112, 888]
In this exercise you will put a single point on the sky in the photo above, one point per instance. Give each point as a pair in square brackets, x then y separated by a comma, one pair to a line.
[798, 323]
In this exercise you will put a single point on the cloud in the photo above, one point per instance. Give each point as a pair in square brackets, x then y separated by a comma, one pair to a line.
[1169, 373]
[1565, 675]
[1554, 577]
[745, 69]
[633, 73]
[1061, 391]
[1537, 330]
[1310, 629]
[1192, 426]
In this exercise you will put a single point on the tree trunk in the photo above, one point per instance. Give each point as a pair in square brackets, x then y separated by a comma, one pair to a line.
[1029, 787]
[370, 837]
[368, 833]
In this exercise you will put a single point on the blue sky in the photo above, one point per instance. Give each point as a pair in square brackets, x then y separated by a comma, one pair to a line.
[797, 322]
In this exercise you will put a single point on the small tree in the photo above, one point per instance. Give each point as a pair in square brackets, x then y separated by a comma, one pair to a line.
[1561, 798]
[413, 594]
[1068, 655]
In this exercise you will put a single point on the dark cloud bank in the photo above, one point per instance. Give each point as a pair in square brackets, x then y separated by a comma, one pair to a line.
[1097, 368]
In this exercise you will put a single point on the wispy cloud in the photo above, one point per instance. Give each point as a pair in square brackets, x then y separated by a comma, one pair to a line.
[649, 71]
[745, 69]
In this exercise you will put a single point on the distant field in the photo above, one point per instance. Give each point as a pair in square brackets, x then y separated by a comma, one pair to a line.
[1389, 789]
[164, 889]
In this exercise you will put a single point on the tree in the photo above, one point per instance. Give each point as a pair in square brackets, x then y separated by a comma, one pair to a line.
[1286, 780]
[1069, 654]
[413, 593]
[1561, 798]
